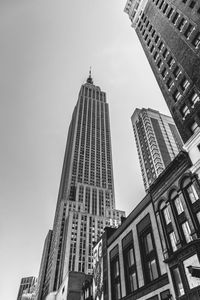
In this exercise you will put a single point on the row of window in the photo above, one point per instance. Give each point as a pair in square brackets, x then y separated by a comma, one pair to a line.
[171, 73]
[149, 260]
[180, 22]
[176, 216]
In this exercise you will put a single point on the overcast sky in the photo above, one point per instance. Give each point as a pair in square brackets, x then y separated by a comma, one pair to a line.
[46, 49]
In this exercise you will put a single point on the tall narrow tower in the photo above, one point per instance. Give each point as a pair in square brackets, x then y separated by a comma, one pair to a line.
[157, 141]
[86, 202]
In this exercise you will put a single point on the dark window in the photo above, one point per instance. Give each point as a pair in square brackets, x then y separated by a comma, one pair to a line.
[115, 279]
[181, 24]
[165, 295]
[176, 72]
[192, 4]
[188, 30]
[165, 8]
[130, 269]
[170, 12]
[196, 40]
[175, 18]
[177, 282]
[148, 250]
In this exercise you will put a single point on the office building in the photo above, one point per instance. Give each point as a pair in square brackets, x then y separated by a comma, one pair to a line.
[27, 285]
[86, 201]
[169, 32]
[157, 141]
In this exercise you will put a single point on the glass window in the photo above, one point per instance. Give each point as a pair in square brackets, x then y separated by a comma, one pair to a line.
[130, 270]
[173, 240]
[185, 111]
[196, 40]
[194, 98]
[194, 127]
[187, 231]
[178, 282]
[148, 243]
[149, 258]
[153, 271]
[179, 205]
[192, 193]
[115, 279]
[167, 215]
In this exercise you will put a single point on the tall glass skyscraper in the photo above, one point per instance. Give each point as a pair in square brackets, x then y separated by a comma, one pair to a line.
[86, 202]
[157, 141]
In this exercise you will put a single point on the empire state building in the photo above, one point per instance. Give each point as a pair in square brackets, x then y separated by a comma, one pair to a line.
[86, 202]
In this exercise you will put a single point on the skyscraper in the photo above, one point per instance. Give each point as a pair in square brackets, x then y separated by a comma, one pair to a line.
[157, 141]
[86, 202]
[169, 32]
[26, 284]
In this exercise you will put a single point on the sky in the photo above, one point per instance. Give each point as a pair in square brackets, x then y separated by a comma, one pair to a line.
[46, 50]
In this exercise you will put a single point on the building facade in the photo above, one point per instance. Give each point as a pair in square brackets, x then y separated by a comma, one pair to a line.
[27, 285]
[86, 202]
[169, 32]
[157, 142]
[176, 200]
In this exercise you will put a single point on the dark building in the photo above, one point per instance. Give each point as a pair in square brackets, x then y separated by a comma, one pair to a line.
[169, 32]
[26, 284]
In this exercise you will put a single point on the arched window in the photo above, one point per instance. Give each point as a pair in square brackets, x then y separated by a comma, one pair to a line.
[166, 221]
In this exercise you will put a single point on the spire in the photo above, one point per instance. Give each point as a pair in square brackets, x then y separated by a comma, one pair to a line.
[89, 80]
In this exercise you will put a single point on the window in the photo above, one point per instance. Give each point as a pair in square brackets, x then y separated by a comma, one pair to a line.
[164, 72]
[179, 205]
[170, 12]
[160, 45]
[176, 95]
[165, 52]
[173, 241]
[175, 18]
[169, 83]
[159, 63]
[188, 30]
[184, 111]
[192, 4]
[184, 84]
[130, 270]
[192, 193]
[171, 61]
[165, 8]
[149, 257]
[167, 215]
[196, 40]
[194, 98]
[178, 282]
[181, 24]
[194, 127]
[187, 231]
[115, 279]
[176, 72]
